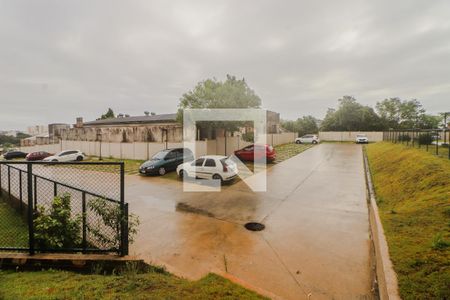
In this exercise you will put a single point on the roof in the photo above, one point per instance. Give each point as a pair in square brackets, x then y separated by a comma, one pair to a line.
[163, 118]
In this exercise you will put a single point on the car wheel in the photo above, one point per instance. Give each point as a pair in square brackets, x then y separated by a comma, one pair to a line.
[79, 158]
[162, 171]
[298, 142]
[217, 177]
[54, 160]
[314, 142]
[181, 174]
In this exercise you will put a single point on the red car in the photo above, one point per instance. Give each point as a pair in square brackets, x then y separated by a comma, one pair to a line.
[252, 152]
[39, 155]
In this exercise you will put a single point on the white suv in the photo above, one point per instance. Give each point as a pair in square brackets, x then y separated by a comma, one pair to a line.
[308, 139]
[68, 155]
[209, 167]
[361, 139]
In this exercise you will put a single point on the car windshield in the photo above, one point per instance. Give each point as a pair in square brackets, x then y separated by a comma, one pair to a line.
[160, 155]
[361, 135]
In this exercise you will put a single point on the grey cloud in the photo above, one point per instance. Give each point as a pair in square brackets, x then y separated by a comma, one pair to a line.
[60, 60]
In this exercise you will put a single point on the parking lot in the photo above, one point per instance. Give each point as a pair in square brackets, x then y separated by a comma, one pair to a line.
[316, 243]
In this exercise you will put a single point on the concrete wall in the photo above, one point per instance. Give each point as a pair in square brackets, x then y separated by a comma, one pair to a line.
[143, 151]
[126, 133]
[350, 136]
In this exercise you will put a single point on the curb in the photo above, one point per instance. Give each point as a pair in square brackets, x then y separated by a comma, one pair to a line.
[68, 262]
[386, 276]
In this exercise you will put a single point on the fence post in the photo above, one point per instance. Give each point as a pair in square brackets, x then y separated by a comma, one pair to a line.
[9, 183]
[20, 189]
[30, 208]
[35, 192]
[83, 204]
[55, 189]
[126, 242]
[123, 216]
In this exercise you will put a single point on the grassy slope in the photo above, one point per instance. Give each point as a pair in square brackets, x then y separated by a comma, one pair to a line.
[413, 194]
[68, 285]
[13, 230]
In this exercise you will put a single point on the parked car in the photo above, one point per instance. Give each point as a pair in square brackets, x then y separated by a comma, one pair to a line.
[14, 154]
[253, 152]
[67, 155]
[166, 160]
[308, 139]
[361, 139]
[39, 155]
[209, 167]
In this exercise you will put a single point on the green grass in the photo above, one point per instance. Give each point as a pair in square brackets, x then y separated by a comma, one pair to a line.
[287, 151]
[413, 194]
[67, 285]
[13, 230]
[442, 150]
[131, 165]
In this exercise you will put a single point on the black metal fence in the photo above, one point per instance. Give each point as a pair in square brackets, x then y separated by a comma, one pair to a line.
[32, 197]
[435, 141]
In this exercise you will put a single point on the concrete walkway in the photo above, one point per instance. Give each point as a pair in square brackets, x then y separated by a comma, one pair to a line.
[316, 243]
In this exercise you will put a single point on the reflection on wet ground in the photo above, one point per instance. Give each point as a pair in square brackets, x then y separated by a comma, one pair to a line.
[315, 242]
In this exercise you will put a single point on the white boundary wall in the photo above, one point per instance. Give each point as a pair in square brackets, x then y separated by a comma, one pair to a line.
[143, 151]
[349, 136]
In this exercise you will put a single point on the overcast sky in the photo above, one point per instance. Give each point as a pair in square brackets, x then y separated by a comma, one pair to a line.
[63, 59]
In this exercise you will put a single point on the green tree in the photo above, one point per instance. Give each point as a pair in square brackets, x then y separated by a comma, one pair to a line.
[389, 112]
[211, 93]
[108, 115]
[351, 116]
[427, 121]
[403, 114]
[303, 125]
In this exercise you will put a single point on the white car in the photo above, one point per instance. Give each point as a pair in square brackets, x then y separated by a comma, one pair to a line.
[67, 155]
[209, 167]
[361, 139]
[308, 139]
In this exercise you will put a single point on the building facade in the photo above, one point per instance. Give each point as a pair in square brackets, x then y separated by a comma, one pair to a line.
[149, 128]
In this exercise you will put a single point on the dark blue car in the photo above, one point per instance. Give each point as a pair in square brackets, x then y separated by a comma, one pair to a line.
[165, 161]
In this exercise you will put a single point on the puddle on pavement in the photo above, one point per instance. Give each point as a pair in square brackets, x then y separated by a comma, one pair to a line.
[184, 207]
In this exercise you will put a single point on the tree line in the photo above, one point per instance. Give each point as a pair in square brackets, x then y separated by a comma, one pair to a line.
[391, 113]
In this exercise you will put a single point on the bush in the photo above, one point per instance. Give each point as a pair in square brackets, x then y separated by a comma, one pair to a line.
[55, 228]
[111, 216]
[249, 137]
[404, 138]
[425, 139]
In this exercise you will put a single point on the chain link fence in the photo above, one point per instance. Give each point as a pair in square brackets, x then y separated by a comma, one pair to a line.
[435, 141]
[63, 207]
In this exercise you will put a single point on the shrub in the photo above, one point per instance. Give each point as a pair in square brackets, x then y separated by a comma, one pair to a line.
[425, 139]
[111, 217]
[249, 137]
[55, 228]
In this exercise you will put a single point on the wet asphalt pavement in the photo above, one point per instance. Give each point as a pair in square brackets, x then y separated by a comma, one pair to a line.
[316, 242]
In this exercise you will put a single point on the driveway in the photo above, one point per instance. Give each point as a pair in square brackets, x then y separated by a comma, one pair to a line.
[316, 243]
